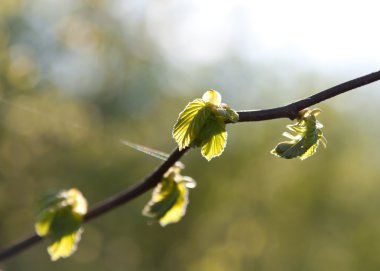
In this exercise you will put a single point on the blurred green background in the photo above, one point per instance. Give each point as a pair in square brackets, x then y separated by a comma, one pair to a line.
[78, 76]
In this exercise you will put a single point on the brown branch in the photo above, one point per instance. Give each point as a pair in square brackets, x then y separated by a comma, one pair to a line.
[151, 181]
[108, 204]
[291, 110]
[20, 246]
[288, 111]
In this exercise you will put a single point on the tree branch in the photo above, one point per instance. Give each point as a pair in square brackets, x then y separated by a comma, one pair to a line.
[108, 204]
[291, 110]
[288, 111]
[151, 181]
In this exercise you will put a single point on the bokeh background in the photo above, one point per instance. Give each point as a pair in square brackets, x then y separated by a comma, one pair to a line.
[78, 76]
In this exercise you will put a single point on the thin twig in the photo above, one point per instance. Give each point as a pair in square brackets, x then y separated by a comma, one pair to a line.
[288, 111]
[151, 181]
[291, 110]
[108, 204]
[20, 246]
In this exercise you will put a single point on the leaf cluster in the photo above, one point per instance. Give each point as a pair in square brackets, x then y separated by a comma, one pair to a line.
[170, 197]
[60, 218]
[202, 124]
[307, 136]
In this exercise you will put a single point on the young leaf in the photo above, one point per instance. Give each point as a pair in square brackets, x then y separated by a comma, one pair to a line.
[178, 209]
[65, 233]
[190, 122]
[305, 142]
[227, 113]
[213, 138]
[170, 197]
[212, 97]
[65, 246]
[202, 124]
[60, 219]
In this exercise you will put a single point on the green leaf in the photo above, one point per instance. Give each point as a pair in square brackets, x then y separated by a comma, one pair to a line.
[202, 124]
[60, 219]
[306, 140]
[65, 233]
[190, 122]
[65, 222]
[232, 115]
[178, 209]
[65, 246]
[163, 198]
[226, 113]
[170, 197]
[213, 138]
[43, 223]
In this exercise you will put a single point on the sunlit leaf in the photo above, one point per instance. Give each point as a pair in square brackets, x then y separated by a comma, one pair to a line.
[76, 199]
[190, 121]
[65, 246]
[170, 197]
[213, 97]
[213, 138]
[43, 223]
[178, 209]
[306, 140]
[163, 198]
[60, 219]
[202, 124]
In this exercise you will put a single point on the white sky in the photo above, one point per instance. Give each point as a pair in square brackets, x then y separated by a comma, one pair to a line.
[325, 35]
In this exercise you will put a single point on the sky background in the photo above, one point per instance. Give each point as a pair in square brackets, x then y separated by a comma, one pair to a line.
[324, 36]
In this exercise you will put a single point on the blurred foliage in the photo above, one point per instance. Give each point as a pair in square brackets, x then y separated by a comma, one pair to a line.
[78, 76]
[60, 220]
[170, 197]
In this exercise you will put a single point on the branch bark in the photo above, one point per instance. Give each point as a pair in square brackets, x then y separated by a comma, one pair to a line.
[291, 110]
[288, 111]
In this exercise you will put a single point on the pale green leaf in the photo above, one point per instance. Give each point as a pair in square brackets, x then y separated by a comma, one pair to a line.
[60, 219]
[190, 122]
[164, 197]
[214, 138]
[306, 140]
[310, 151]
[202, 124]
[170, 197]
[178, 209]
[65, 232]
[297, 148]
[226, 113]
[65, 246]
[233, 116]
[285, 150]
[43, 222]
